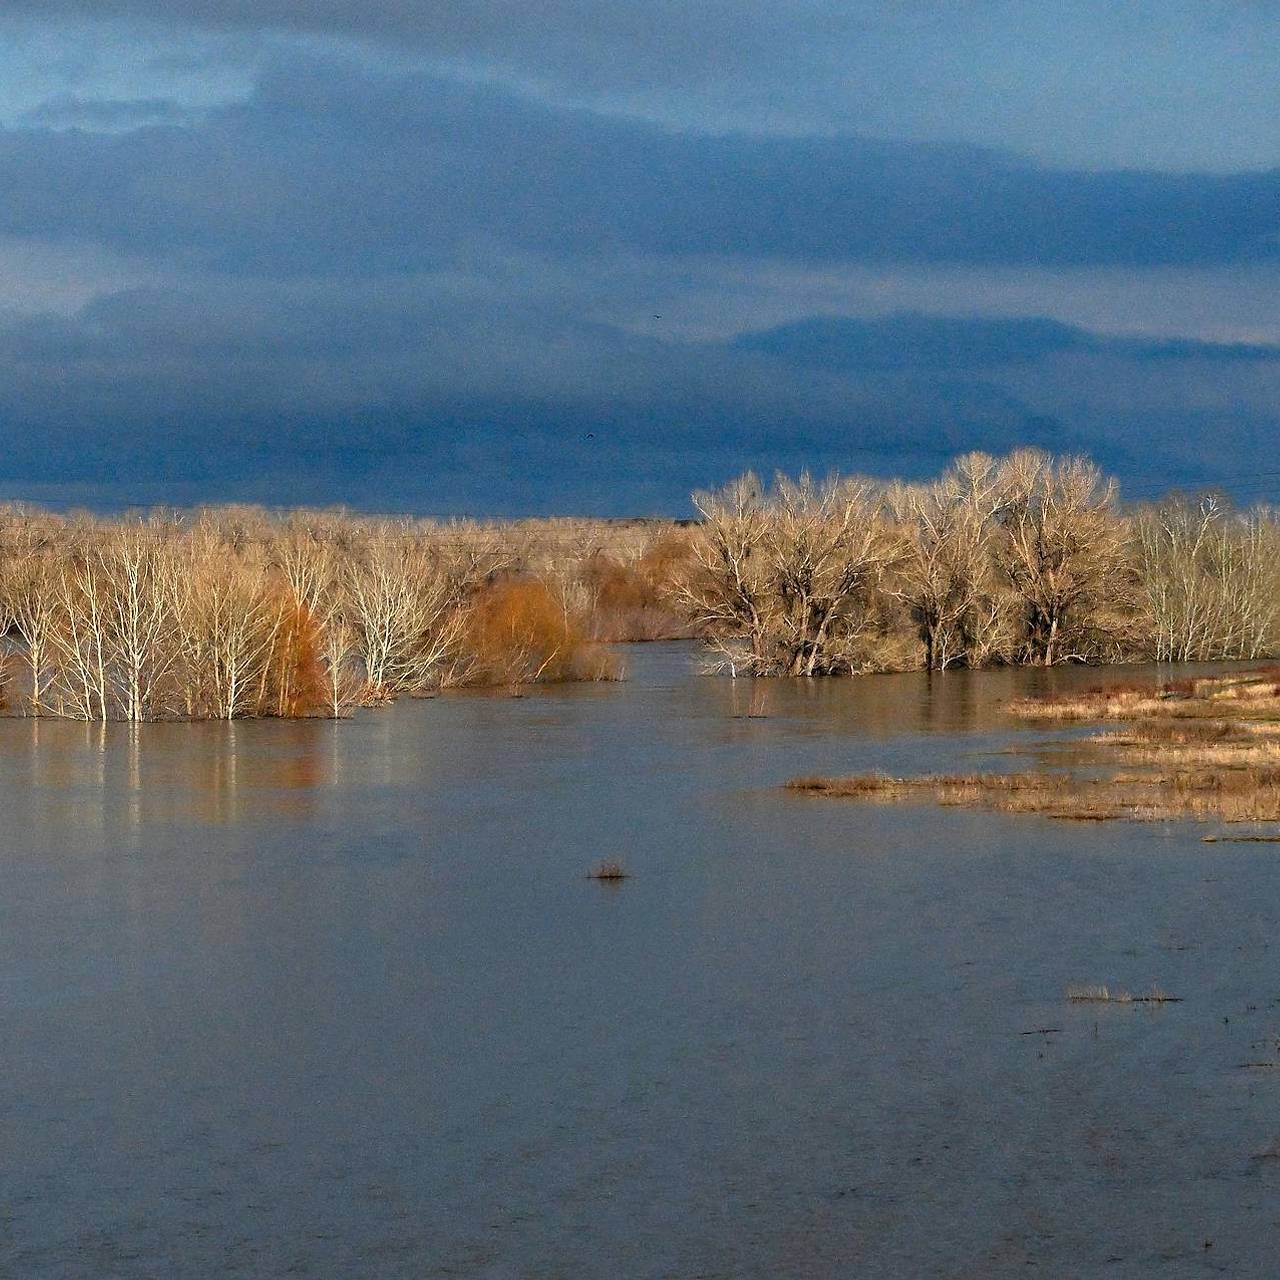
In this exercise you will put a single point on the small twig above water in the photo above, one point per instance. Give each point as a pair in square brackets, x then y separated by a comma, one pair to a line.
[610, 870]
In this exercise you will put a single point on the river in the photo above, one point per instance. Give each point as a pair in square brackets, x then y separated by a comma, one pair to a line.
[337, 999]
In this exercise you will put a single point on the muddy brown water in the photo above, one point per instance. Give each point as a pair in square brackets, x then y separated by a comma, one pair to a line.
[320, 999]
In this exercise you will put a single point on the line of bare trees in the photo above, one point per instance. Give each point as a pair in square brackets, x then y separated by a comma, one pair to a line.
[1024, 559]
[234, 612]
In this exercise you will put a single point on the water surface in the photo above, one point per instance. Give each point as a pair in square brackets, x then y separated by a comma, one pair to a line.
[317, 999]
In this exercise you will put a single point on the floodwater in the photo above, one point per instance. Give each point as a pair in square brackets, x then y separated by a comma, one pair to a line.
[315, 999]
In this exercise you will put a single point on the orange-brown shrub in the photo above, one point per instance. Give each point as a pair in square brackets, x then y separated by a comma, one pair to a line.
[295, 676]
[518, 633]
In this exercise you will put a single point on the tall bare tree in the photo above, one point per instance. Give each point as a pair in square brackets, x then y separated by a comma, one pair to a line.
[783, 581]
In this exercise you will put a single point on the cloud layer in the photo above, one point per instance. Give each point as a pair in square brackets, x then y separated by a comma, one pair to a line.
[1181, 84]
[401, 287]
[328, 168]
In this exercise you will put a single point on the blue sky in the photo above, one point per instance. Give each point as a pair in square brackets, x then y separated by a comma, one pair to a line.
[523, 256]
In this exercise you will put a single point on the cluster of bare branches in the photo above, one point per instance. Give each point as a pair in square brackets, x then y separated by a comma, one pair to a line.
[786, 581]
[1210, 580]
[1024, 559]
[233, 612]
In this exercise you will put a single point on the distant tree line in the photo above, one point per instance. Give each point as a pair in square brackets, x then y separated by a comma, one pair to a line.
[229, 612]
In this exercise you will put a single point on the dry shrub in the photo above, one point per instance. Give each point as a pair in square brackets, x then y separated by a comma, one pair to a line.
[295, 675]
[1269, 674]
[519, 633]
[863, 784]
[1232, 754]
[1207, 698]
[1120, 704]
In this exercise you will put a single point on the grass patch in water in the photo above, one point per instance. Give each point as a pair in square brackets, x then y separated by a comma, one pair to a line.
[1107, 995]
[1216, 757]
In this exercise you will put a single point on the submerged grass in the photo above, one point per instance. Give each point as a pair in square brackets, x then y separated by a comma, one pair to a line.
[1239, 694]
[1108, 995]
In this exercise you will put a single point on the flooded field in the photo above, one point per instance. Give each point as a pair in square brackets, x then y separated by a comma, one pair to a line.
[339, 999]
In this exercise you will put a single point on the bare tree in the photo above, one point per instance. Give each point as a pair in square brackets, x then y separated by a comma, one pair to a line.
[1062, 549]
[304, 552]
[80, 641]
[783, 582]
[943, 572]
[828, 545]
[139, 579]
[235, 611]
[228, 619]
[339, 652]
[727, 589]
[405, 613]
[1210, 580]
[32, 606]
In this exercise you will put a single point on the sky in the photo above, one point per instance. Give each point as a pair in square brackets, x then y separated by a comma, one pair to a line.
[500, 257]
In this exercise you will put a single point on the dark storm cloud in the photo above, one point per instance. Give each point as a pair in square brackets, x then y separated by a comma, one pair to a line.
[408, 393]
[307, 389]
[328, 169]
